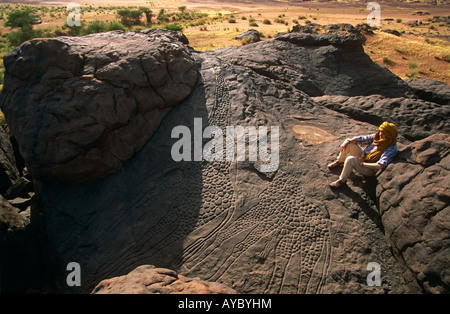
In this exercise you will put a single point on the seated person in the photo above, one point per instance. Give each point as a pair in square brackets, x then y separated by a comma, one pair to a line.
[381, 149]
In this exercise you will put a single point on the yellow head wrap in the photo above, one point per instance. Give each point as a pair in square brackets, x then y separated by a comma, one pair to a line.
[390, 139]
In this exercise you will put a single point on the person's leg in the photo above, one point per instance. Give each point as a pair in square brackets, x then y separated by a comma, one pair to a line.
[352, 163]
[352, 149]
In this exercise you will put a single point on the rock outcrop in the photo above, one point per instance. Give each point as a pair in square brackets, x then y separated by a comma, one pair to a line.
[9, 174]
[416, 118]
[80, 114]
[414, 195]
[148, 279]
[10, 219]
[228, 220]
[250, 36]
[22, 256]
[430, 90]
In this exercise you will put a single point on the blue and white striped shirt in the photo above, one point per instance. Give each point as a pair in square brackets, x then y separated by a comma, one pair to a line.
[387, 156]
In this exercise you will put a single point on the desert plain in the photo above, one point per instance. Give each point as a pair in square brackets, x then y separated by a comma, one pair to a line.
[421, 50]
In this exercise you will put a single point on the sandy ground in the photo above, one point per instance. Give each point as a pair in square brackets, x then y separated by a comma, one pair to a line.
[381, 48]
[336, 7]
[325, 12]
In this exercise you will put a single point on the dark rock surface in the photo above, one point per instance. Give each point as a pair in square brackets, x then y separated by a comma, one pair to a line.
[416, 118]
[25, 262]
[229, 222]
[430, 90]
[414, 197]
[10, 219]
[79, 114]
[250, 36]
[9, 173]
[392, 31]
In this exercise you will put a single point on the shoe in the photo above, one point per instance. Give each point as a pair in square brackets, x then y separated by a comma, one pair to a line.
[338, 184]
[335, 164]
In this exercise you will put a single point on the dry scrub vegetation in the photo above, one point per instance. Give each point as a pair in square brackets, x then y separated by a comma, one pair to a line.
[422, 50]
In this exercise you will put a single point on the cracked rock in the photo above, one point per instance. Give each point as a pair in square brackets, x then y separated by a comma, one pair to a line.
[80, 107]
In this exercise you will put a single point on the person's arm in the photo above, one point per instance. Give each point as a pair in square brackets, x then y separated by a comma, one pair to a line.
[385, 159]
[372, 165]
[362, 140]
[365, 140]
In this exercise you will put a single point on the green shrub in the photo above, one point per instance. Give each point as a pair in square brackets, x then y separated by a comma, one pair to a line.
[413, 73]
[129, 18]
[267, 21]
[19, 18]
[24, 20]
[173, 27]
[115, 26]
[413, 65]
[246, 41]
[148, 14]
[26, 33]
[400, 50]
[446, 56]
[95, 27]
[198, 22]
[74, 30]
[162, 16]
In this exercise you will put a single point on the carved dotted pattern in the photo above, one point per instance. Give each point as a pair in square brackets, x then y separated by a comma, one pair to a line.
[189, 209]
[297, 227]
[295, 231]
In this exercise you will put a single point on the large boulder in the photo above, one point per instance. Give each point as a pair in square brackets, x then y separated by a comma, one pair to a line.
[250, 36]
[430, 90]
[319, 64]
[148, 279]
[80, 107]
[414, 196]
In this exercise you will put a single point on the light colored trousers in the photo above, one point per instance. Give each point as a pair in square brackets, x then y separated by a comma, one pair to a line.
[349, 157]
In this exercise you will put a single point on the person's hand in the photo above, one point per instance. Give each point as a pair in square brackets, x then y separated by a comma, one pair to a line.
[344, 145]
